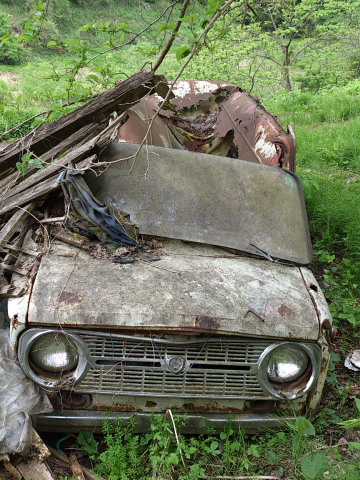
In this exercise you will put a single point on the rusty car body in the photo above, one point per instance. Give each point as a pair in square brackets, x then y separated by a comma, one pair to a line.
[230, 321]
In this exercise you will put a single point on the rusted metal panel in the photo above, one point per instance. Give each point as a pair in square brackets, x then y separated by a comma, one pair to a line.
[325, 323]
[208, 199]
[187, 293]
[135, 128]
[212, 117]
[258, 135]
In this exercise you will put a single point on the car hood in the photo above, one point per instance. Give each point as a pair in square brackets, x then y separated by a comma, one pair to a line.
[193, 289]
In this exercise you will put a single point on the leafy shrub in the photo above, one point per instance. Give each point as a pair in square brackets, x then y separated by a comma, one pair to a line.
[10, 52]
[60, 11]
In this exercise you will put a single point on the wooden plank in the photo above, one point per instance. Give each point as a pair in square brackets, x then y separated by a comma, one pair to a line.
[15, 222]
[12, 291]
[9, 246]
[77, 138]
[119, 98]
[37, 191]
[76, 468]
[20, 271]
[34, 469]
[72, 157]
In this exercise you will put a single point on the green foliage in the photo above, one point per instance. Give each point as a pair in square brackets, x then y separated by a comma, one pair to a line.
[343, 281]
[10, 52]
[354, 422]
[314, 466]
[88, 443]
[122, 458]
[164, 453]
[304, 426]
[28, 160]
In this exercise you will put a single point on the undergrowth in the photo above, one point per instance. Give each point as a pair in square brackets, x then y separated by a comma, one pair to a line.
[164, 453]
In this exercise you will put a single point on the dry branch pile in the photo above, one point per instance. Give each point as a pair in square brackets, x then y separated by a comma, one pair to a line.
[76, 139]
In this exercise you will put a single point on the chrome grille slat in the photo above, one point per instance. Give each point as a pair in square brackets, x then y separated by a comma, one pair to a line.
[206, 374]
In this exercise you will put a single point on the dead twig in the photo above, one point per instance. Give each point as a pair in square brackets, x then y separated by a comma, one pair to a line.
[66, 461]
[52, 220]
[169, 412]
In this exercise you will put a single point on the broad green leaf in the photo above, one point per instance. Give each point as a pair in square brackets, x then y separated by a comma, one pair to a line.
[182, 52]
[35, 163]
[352, 423]
[167, 26]
[93, 78]
[88, 442]
[304, 427]
[86, 27]
[52, 43]
[314, 466]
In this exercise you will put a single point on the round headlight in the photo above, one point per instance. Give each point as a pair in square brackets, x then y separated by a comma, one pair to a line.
[288, 369]
[54, 359]
[54, 352]
[286, 364]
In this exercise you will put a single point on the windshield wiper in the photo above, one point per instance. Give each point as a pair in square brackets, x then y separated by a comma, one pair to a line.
[263, 253]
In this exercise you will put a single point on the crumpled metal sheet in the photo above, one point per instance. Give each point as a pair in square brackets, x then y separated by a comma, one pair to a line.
[207, 199]
[234, 124]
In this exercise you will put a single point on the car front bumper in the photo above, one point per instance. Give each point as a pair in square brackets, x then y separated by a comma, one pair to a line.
[71, 421]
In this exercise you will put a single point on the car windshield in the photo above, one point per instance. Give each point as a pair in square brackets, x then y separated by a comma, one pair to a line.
[209, 199]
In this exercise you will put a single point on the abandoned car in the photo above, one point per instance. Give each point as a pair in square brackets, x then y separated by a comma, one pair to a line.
[203, 302]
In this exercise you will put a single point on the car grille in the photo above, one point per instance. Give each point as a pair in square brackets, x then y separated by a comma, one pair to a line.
[220, 367]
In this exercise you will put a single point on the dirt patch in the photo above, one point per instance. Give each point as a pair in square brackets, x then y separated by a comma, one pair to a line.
[10, 78]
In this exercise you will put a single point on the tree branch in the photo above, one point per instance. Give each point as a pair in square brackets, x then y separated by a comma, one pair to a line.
[173, 35]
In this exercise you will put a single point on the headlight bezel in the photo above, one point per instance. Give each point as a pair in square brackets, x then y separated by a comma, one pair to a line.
[46, 380]
[277, 390]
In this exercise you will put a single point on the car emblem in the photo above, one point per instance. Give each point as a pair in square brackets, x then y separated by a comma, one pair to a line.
[176, 364]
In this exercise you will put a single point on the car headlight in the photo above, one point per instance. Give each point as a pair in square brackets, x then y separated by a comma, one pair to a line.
[53, 358]
[54, 353]
[286, 364]
[288, 370]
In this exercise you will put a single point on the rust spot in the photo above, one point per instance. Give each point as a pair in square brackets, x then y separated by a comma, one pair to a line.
[150, 404]
[116, 407]
[266, 406]
[15, 321]
[68, 399]
[284, 311]
[207, 323]
[70, 298]
[212, 407]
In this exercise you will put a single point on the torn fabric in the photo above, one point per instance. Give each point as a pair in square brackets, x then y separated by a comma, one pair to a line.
[93, 218]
